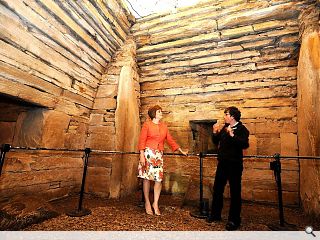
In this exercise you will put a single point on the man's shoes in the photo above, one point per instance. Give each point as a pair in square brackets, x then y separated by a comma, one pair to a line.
[211, 219]
[231, 226]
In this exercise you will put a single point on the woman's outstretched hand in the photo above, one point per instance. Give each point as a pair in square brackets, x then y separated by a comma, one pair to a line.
[183, 152]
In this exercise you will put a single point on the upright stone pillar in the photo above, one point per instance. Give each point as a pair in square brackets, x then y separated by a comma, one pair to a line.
[309, 108]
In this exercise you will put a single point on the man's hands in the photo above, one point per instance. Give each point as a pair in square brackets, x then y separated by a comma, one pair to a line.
[216, 128]
[230, 131]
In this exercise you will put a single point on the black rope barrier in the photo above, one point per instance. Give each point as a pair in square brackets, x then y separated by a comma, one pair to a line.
[275, 166]
[167, 154]
[45, 149]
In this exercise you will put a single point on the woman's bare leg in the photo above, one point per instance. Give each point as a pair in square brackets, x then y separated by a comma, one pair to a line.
[146, 190]
[156, 195]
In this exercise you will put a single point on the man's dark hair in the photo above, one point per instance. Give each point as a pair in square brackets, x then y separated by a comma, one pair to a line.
[152, 111]
[234, 112]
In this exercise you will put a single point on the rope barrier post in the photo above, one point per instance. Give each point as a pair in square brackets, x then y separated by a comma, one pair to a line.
[204, 202]
[276, 167]
[4, 149]
[82, 211]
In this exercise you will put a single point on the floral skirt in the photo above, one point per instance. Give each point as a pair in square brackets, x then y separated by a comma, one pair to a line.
[153, 169]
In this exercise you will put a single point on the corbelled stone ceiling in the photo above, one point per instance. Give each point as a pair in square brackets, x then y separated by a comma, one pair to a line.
[144, 8]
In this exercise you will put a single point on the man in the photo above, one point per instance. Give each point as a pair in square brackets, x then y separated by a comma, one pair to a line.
[231, 139]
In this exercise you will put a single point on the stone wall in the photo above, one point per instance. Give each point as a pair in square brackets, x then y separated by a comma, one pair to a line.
[69, 71]
[51, 174]
[309, 108]
[115, 122]
[52, 58]
[202, 59]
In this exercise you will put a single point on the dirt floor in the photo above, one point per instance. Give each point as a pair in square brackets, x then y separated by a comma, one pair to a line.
[31, 214]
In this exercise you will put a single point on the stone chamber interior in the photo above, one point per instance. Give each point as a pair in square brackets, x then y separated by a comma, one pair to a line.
[78, 75]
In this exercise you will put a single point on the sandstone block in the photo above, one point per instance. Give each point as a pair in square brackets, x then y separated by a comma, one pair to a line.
[100, 160]
[289, 198]
[17, 163]
[105, 103]
[107, 90]
[268, 146]
[101, 141]
[56, 162]
[54, 128]
[246, 193]
[75, 140]
[258, 174]
[96, 119]
[236, 32]
[111, 78]
[34, 178]
[102, 129]
[261, 163]
[288, 40]
[289, 144]
[257, 44]
[98, 180]
[276, 127]
[181, 165]
[252, 150]
[265, 195]
[268, 25]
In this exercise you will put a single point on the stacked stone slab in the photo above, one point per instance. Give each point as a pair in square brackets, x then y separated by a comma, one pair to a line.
[52, 59]
[202, 59]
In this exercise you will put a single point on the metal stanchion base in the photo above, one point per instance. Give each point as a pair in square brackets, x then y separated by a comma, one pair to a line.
[81, 213]
[199, 214]
[285, 227]
[203, 211]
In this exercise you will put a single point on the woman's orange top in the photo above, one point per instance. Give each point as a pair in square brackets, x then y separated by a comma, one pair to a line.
[153, 135]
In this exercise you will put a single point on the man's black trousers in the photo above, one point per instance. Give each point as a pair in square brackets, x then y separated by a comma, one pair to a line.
[228, 172]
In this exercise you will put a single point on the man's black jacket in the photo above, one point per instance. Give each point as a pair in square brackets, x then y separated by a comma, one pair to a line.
[230, 148]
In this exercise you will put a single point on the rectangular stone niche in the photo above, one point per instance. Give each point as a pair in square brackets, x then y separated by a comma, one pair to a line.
[14, 114]
[201, 140]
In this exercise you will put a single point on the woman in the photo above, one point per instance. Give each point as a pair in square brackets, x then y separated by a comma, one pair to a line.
[151, 146]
